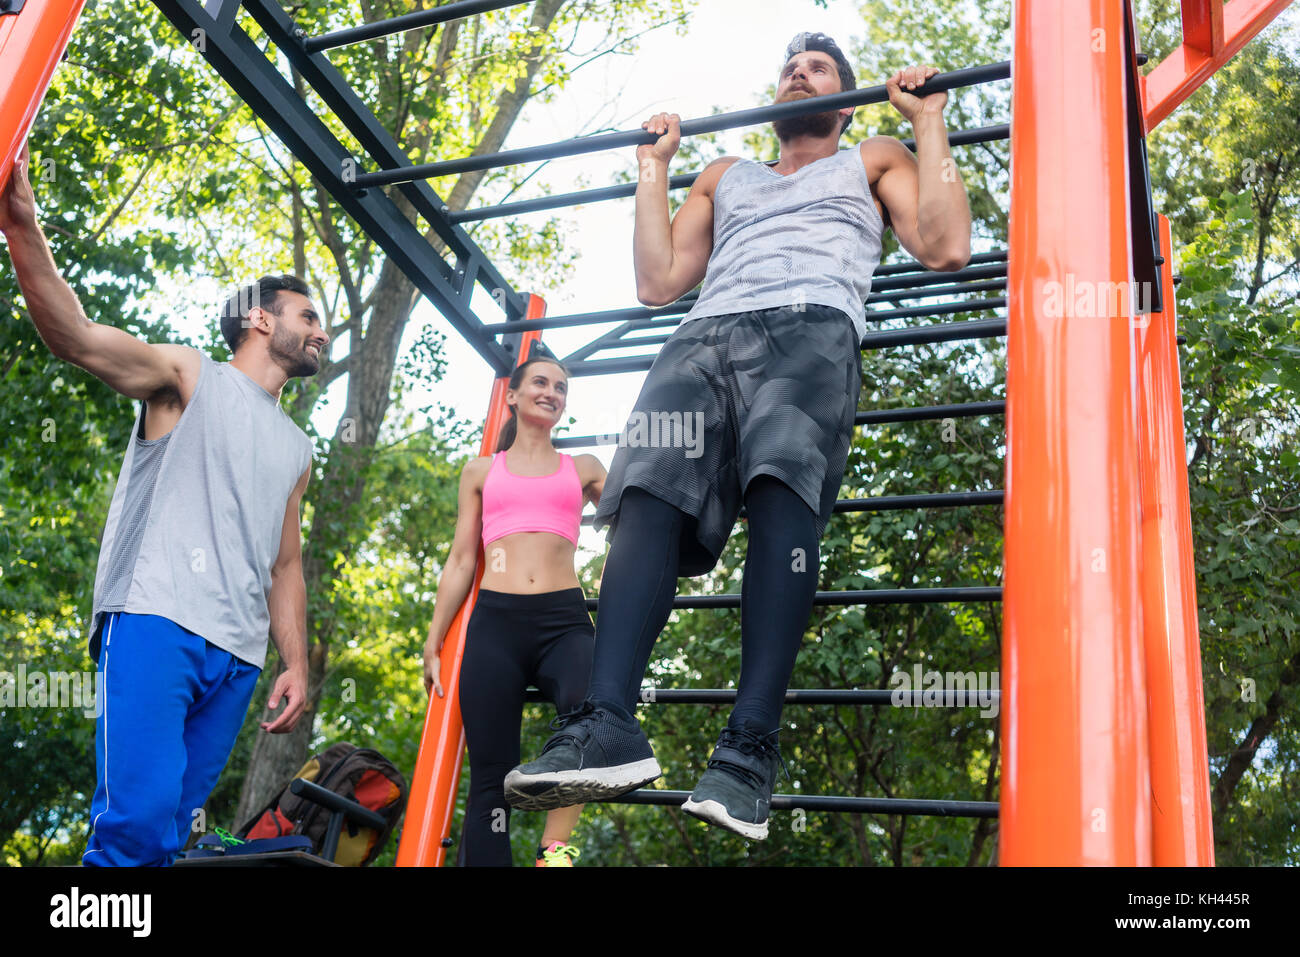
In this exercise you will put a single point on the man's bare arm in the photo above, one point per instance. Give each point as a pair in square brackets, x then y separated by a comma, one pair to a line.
[287, 606]
[126, 364]
[670, 258]
[924, 194]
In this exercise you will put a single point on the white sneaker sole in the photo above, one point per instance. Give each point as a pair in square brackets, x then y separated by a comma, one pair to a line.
[714, 812]
[556, 789]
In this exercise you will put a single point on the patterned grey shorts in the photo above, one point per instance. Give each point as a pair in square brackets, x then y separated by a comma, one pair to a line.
[768, 392]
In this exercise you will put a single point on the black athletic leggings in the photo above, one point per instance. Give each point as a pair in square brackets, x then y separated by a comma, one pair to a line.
[513, 641]
[640, 579]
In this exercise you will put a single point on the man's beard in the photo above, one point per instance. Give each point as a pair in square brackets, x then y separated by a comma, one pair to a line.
[292, 356]
[820, 125]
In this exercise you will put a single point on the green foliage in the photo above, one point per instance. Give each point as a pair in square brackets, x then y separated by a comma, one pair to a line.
[1241, 380]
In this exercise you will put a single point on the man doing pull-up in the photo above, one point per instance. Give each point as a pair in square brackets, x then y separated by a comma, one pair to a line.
[768, 359]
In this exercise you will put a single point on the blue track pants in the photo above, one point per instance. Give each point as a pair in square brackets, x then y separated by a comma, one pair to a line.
[173, 705]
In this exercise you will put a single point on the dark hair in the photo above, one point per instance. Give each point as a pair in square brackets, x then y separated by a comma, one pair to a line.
[824, 44]
[262, 293]
[538, 353]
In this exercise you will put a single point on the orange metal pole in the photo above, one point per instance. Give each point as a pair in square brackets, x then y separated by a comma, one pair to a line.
[31, 45]
[1180, 774]
[1075, 786]
[434, 783]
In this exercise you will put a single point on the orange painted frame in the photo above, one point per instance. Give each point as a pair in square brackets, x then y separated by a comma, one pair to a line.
[1182, 830]
[31, 45]
[436, 777]
[1075, 786]
[1224, 29]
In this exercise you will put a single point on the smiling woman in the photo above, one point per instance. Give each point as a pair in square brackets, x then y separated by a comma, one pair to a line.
[530, 624]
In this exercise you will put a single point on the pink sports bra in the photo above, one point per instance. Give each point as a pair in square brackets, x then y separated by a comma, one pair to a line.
[531, 503]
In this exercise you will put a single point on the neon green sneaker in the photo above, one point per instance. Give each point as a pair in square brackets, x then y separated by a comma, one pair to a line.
[557, 854]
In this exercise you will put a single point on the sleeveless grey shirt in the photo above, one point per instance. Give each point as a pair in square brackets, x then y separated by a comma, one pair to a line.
[196, 517]
[811, 237]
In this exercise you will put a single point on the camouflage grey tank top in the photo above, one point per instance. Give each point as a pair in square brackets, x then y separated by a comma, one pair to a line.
[811, 237]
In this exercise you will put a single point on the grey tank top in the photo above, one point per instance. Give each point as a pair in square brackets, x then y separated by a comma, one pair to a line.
[196, 517]
[811, 237]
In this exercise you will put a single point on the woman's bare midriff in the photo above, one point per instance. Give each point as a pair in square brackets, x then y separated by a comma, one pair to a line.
[528, 563]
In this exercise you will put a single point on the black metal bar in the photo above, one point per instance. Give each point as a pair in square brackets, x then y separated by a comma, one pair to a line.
[709, 124]
[937, 332]
[816, 802]
[340, 808]
[223, 12]
[630, 314]
[409, 21]
[927, 412]
[981, 134]
[886, 503]
[608, 340]
[647, 317]
[870, 417]
[583, 197]
[870, 596]
[926, 292]
[873, 698]
[333, 801]
[893, 269]
[968, 272]
[913, 335]
[936, 309]
[1144, 226]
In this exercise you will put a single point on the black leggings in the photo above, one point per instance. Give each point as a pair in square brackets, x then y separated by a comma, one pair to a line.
[640, 579]
[513, 641]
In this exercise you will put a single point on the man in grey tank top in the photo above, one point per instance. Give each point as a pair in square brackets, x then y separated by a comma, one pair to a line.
[765, 371]
[201, 558]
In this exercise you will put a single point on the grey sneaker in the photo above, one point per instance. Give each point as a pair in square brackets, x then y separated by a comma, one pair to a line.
[594, 754]
[736, 791]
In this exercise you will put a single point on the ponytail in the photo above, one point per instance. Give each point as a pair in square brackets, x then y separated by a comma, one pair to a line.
[508, 432]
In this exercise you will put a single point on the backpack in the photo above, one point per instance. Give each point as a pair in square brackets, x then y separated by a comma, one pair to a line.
[359, 774]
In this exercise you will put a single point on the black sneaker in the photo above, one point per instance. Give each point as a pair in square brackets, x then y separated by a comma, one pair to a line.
[736, 791]
[594, 754]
